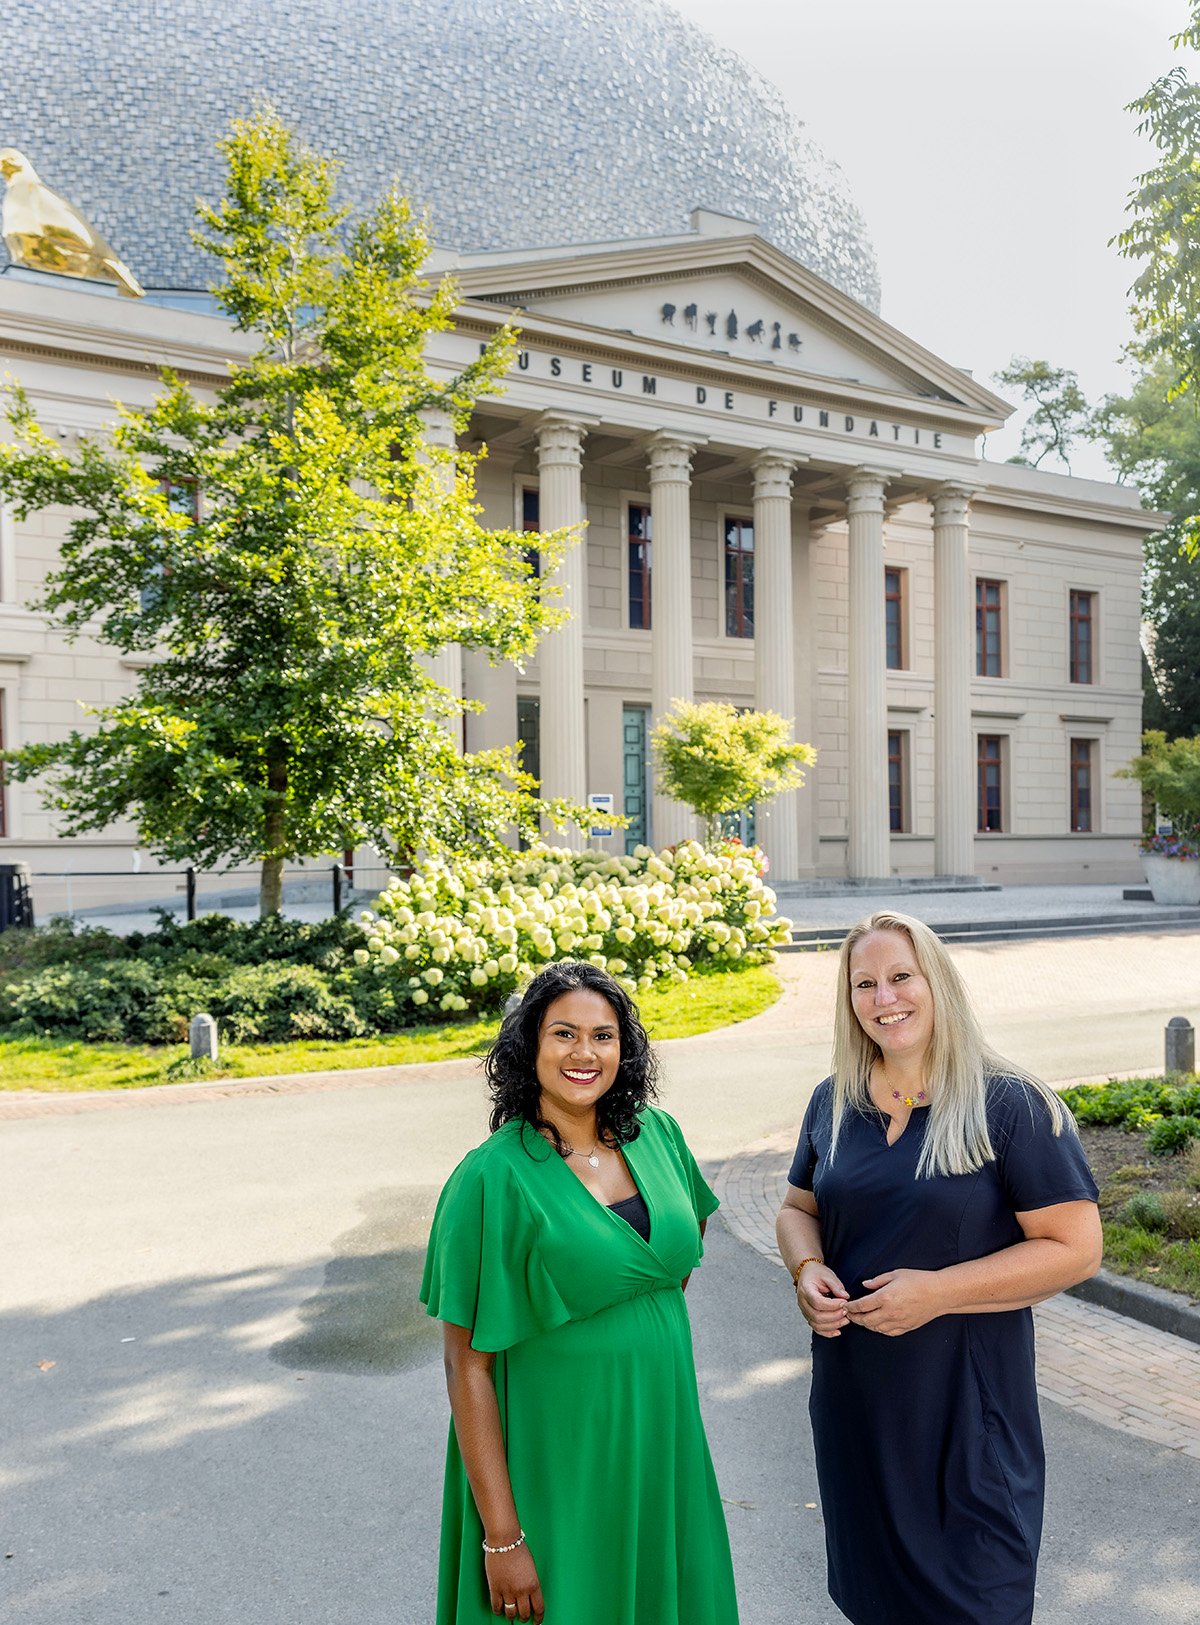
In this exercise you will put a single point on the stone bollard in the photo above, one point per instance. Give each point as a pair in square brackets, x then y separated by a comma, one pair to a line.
[1181, 1045]
[203, 1033]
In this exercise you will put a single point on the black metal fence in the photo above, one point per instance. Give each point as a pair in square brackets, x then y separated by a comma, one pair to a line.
[126, 899]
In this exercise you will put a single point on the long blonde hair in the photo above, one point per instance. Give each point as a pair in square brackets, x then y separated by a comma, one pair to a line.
[958, 1065]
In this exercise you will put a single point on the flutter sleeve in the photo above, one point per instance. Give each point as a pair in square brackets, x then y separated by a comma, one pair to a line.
[484, 1269]
[704, 1198]
[1037, 1167]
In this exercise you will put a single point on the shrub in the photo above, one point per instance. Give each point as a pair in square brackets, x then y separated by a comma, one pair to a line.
[1145, 1210]
[1135, 1104]
[1191, 1166]
[62, 942]
[449, 939]
[1171, 1134]
[120, 1000]
[273, 1003]
[445, 941]
[1182, 1212]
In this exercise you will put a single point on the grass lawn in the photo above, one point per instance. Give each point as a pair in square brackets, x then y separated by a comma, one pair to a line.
[47, 1064]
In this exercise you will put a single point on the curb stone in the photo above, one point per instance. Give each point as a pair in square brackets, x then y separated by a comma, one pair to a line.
[1139, 1300]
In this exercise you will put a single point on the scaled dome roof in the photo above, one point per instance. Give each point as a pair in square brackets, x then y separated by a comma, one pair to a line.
[520, 123]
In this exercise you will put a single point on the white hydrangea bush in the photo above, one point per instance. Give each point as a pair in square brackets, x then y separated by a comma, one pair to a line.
[463, 937]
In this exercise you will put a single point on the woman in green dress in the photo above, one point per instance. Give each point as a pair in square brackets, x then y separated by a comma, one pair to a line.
[579, 1486]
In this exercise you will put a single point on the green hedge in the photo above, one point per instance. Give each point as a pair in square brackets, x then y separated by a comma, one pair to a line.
[1166, 1110]
[436, 945]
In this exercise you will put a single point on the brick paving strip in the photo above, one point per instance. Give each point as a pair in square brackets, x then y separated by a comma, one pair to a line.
[1101, 1364]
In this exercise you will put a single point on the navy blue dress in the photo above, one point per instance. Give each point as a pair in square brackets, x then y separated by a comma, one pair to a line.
[929, 1445]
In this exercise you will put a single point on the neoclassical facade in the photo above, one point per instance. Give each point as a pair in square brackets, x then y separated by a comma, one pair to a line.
[781, 502]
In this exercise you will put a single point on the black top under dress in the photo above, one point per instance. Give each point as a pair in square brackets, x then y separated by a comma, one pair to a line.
[634, 1211]
[929, 1445]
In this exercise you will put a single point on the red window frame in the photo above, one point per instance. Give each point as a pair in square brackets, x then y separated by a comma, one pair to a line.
[897, 743]
[739, 578]
[989, 627]
[1082, 787]
[639, 565]
[531, 524]
[989, 766]
[1083, 636]
[893, 613]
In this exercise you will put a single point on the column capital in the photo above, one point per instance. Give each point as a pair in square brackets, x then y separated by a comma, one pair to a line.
[670, 456]
[560, 437]
[773, 472]
[952, 501]
[865, 490]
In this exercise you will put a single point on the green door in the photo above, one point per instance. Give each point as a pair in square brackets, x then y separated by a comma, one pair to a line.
[635, 777]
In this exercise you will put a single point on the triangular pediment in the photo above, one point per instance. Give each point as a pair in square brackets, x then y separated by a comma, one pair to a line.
[732, 299]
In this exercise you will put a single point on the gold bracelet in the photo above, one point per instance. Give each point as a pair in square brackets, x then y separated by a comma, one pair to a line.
[796, 1272]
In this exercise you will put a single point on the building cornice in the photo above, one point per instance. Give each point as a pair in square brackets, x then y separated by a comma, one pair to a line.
[65, 327]
[582, 269]
[567, 337]
[1060, 505]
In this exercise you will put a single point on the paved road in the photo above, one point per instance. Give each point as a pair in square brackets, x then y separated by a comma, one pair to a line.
[220, 1402]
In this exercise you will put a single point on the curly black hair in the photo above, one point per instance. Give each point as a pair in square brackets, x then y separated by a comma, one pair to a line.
[511, 1064]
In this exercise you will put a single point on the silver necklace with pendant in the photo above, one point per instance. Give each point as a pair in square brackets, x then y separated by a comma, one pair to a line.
[592, 1159]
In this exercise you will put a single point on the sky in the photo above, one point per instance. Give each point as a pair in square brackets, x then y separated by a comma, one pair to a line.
[989, 151]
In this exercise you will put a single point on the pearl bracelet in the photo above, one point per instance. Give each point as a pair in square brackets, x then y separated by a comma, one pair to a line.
[494, 1551]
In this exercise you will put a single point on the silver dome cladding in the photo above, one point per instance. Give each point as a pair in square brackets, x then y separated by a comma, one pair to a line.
[519, 123]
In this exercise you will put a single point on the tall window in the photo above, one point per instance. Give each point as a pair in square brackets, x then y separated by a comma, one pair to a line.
[990, 777]
[1083, 618]
[897, 781]
[739, 578]
[531, 523]
[3, 787]
[529, 739]
[989, 628]
[893, 597]
[639, 562]
[183, 496]
[1081, 786]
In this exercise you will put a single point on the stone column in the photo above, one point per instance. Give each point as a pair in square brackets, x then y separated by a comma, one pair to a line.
[806, 685]
[868, 853]
[671, 606]
[953, 652]
[446, 666]
[774, 641]
[560, 655]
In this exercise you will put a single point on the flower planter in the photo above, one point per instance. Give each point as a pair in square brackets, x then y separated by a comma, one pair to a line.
[1173, 880]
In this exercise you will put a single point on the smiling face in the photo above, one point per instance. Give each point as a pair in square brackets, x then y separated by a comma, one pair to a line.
[579, 1051]
[890, 996]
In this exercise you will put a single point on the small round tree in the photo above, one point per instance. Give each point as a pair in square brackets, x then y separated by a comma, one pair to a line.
[1169, 774]
[718, 760]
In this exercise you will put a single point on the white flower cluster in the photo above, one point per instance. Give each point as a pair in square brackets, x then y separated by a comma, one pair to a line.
[464, 937]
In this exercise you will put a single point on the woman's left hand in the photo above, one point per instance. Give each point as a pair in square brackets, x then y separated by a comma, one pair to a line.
[897, 1301]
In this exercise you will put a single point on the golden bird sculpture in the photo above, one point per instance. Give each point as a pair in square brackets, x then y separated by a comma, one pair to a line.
[46, 233]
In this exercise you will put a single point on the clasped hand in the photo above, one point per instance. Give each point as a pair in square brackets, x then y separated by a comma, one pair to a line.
[895, 1302]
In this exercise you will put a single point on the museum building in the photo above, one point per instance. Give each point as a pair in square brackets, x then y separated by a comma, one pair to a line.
[782, 499]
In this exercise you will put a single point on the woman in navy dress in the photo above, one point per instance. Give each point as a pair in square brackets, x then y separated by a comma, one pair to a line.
[937, 1192]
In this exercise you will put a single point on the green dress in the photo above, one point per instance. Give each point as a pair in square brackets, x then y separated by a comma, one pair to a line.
[596, 1381]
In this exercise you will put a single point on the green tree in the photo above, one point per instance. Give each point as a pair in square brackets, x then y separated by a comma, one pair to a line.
[1169, 774]
[1152, 435]
[288, 711]
[1059, 414]
[717, 759]
[1163, 235]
